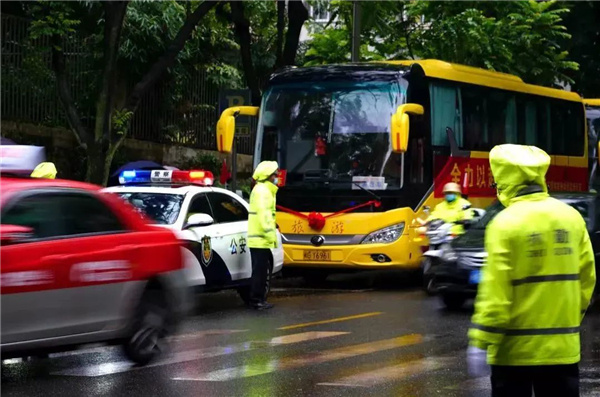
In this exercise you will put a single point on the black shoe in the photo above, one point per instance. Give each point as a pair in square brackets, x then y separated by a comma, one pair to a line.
[262, 306]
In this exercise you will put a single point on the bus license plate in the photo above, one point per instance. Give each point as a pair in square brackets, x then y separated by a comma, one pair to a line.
[475, 277]
[314, 255]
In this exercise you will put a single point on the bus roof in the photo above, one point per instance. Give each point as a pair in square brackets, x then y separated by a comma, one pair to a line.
[430, 67]
[336, 72]
[471, 75]
[592, 101]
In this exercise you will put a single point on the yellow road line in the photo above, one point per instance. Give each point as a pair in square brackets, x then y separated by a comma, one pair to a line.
[333, 320]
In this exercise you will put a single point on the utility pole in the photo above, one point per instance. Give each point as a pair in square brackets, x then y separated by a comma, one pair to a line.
[356, 13]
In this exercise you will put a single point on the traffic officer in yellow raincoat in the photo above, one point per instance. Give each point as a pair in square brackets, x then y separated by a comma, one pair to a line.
[45, 170]
[262, 234]
[452, 209]
[536, 286]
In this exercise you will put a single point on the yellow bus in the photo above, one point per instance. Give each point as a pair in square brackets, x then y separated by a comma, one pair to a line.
[364, 150]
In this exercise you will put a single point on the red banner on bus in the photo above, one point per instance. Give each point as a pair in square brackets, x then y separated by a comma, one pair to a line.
[475, 174]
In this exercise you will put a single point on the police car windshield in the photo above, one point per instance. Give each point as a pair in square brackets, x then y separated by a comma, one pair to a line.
[162, 208]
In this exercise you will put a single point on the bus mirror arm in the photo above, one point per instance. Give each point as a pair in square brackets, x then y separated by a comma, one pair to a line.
[226, 125]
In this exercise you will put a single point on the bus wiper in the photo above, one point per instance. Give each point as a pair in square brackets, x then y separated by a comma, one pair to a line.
[367, 190]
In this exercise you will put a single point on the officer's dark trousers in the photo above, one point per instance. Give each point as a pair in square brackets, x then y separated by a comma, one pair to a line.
[545, 380]
[261, 262]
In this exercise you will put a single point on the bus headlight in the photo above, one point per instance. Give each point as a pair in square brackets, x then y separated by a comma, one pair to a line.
[385, 235]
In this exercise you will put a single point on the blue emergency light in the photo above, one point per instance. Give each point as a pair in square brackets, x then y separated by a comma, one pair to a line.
[196, 177]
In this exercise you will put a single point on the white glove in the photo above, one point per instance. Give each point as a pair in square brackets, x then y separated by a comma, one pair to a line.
[477, 362]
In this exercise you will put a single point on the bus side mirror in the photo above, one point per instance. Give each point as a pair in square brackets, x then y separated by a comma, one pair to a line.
[226, 125]
[400, 125]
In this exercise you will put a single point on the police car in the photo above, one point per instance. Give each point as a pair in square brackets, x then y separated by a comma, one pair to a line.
[79, 266]
[211, 222]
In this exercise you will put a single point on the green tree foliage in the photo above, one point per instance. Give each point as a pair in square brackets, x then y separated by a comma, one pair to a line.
[135, 46]
[583, 23]
[519, 37]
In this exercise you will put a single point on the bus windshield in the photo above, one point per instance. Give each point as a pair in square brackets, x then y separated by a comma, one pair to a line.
[332, 133]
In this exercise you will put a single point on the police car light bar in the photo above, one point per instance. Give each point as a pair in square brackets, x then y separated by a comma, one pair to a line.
[196, 177]
[20, 159]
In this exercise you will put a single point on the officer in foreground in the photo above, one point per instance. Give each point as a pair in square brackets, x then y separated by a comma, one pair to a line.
[536, 286]
[262, 234]
[452, 209]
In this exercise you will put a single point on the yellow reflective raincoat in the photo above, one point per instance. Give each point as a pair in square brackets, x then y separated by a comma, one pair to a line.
[261, 221]
[453, 212]
[45, 170]
[540, 271]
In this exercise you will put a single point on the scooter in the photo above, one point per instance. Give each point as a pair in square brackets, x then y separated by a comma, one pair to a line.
[439, 235]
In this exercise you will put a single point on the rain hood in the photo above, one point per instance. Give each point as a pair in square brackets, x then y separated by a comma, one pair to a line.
[515, 167]
[264, 170]
[44, 170]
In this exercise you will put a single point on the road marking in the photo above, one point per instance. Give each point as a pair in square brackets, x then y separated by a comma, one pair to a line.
[191, 355]
[208, 332]
[391, 373]
[175, 338]
[308, 359]
[333, 320]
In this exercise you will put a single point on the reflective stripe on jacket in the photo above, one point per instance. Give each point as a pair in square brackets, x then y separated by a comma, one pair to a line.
[261, 220]
[536, 286]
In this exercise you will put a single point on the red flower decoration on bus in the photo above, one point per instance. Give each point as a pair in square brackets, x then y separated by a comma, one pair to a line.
[316, 221]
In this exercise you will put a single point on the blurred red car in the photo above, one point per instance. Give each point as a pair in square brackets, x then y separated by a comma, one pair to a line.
[80, 266]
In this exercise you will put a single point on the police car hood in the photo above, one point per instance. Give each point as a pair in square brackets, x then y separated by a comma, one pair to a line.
[515, 167]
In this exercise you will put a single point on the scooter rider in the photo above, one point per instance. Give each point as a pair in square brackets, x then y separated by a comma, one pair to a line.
[453, 209]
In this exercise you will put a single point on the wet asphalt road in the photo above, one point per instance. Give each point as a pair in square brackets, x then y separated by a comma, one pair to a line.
[350, 336]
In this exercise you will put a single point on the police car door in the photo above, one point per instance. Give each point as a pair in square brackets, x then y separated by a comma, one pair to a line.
[232, 218]
[208, 260]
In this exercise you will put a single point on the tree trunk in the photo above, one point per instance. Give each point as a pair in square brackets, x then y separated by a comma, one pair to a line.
[280, 32]
[297, 15]
[242, 31]
[96, 160]
[102, 146]
[114, 14]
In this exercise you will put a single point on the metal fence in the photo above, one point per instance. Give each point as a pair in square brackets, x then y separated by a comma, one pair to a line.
[173, 112]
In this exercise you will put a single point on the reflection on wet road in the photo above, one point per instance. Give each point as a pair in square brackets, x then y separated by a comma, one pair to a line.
[338, 339]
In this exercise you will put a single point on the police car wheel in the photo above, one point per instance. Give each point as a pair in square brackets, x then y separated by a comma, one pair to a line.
[149, 331]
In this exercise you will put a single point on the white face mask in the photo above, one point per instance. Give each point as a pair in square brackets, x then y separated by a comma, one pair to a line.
[276, 181]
